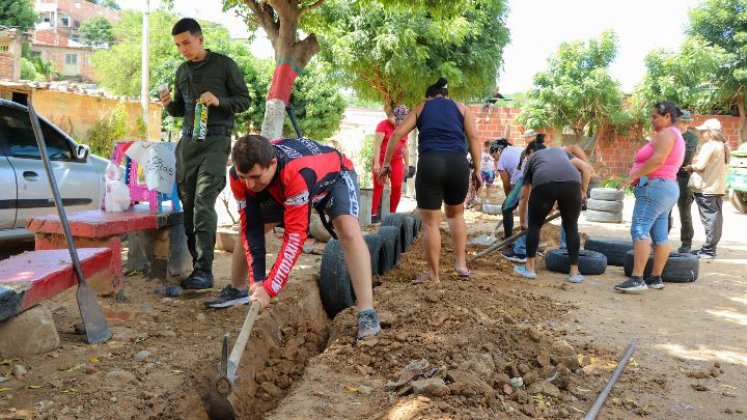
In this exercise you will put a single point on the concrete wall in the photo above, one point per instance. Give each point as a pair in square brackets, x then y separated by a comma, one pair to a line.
[56, 55]
[75, 113]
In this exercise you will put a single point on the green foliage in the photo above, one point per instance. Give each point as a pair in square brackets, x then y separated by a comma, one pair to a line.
[577, 91]
[684, 77]
[391, 54]
[108, 130]
[37, 69]
[366, 162]
[28, 71]
[18, 13]
[112, 4]
[97, 31]
[616, 182]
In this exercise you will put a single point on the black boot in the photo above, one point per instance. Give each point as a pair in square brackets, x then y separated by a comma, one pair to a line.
[199, 279]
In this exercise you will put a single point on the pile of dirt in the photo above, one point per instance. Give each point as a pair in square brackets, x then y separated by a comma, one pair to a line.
[462, 348]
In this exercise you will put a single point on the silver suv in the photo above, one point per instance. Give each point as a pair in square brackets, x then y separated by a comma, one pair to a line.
[24, 188]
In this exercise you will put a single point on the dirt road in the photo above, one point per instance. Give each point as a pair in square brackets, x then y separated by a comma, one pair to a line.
[476, 338]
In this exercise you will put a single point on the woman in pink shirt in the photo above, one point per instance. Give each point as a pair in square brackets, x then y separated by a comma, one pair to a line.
[654, 175]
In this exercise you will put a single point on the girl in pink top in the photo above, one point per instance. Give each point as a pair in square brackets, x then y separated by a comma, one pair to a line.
[654, 175]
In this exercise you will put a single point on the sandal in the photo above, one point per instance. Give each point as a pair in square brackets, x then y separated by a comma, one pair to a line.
[421, 278]
[465, 274]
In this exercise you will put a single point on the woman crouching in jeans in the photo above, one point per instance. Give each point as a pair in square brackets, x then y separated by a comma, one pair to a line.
[654, 175]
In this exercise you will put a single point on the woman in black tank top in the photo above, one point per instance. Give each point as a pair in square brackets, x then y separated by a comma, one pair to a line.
[447, 130]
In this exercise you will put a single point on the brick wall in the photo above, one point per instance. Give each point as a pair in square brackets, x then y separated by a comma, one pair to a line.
[7, 66]
[613, 154]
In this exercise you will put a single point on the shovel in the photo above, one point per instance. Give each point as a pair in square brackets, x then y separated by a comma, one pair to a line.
[511, 239]
[219, 407]
[487, 239]
[97, 330]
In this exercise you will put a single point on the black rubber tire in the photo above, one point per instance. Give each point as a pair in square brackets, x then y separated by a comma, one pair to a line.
[415, 231]
[379, 262]
[612, 248]
[603, 216]
[604, 205]
[589, 262]
[680, 268]
[335, 287]
[418, 222]
[390, 236]
[607, 194]
[400, 221]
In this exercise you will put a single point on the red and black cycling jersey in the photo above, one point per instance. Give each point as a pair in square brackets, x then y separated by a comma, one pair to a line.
[305, 174]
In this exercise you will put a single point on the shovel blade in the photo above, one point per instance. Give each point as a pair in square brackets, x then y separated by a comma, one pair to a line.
[97, 330]
[483, 240]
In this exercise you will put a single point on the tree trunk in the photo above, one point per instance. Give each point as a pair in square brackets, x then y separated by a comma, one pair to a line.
[742, 121]
[279, 19]
[287, 70]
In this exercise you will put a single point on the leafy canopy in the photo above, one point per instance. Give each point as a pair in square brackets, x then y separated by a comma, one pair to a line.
[17, 14]
[577, 91]
[97, 31]
[391, 54]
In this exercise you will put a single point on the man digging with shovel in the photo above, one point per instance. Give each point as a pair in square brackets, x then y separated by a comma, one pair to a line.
[277, 183]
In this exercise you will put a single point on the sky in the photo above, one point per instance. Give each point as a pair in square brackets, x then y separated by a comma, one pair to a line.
[537, 29]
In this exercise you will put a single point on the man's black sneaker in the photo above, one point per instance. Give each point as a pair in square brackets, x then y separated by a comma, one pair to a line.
[704, 255]
[514, 257]
[632, 285]
[229, 296]
[375, 218]
[684, 249]
[199, 279]
[654, 282]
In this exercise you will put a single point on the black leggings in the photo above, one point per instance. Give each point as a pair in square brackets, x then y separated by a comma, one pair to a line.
[541, 201]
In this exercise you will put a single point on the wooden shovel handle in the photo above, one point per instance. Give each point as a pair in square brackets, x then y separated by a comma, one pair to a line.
[240, 345]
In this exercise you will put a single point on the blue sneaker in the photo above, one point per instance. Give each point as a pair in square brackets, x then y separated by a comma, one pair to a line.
[368, 324]
[522, 271]
[578, 278]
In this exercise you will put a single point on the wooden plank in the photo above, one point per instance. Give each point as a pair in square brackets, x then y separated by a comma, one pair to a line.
[33, 277]
[100, 224]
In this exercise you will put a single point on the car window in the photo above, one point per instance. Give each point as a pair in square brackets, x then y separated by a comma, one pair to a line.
[15, 127]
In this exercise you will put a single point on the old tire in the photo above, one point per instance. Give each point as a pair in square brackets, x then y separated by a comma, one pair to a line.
[738, 200]
[379, 262]
[603, 216]
[680, 268]
[612, 248]
[401, 222]
[390, 236]
[589, 262]
[604, 205]
[414, 225]
[607, 194]
[335, 287]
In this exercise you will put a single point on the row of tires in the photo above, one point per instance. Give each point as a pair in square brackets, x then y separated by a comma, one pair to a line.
[395, 236]
[605, 205]
[600, 252]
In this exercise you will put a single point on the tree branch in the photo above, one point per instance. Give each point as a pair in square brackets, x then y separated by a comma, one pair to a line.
[264, 17]
[307, 9]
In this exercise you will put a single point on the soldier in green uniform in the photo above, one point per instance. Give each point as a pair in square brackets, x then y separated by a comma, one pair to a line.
[214, 81]
[685, 202]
